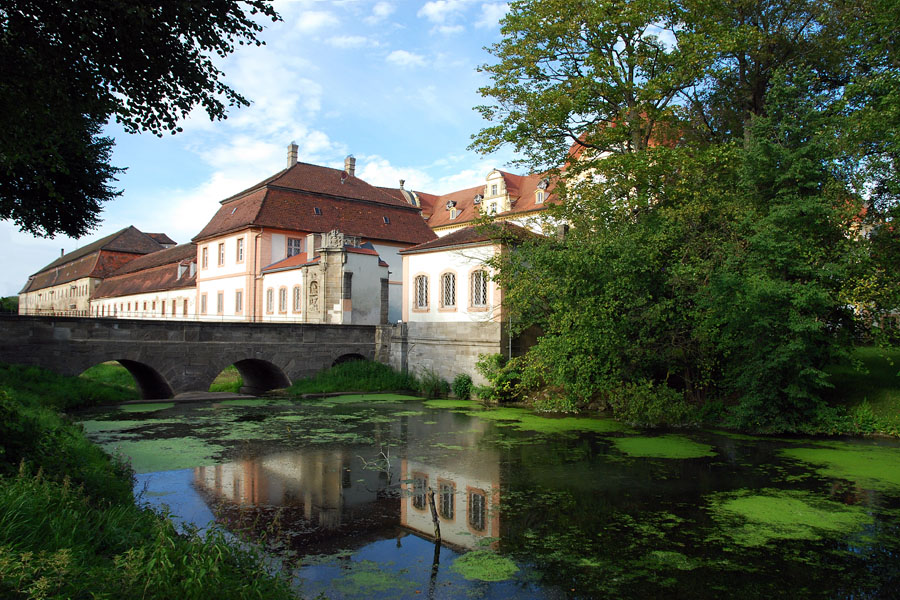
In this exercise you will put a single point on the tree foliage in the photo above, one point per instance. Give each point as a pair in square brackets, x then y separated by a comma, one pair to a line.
[729, 195]
[66, 67]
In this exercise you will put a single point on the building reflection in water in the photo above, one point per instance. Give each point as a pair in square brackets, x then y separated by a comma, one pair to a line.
[328, 499]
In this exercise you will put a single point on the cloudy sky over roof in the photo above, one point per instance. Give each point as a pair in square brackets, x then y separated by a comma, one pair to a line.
[392, 82]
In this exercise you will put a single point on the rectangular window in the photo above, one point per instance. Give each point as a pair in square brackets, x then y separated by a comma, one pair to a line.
[221, 254]
[421, 290]
[420, 485]
[294, 246]
[204, 257]
[184, 308]
[539, 197]
[297, 299]
[162, 308]
[220, 302]
[174, 307]
[446, 499]
[494, 189]
[270, 300]
[477, 510]
[479, 288]
[239, 302]
[240, 250]
[282, 300]
[348, 289]
[202, 304]
[448, 290]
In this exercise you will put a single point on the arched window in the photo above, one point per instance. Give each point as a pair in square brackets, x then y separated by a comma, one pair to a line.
[296, 298]
[421, 291]
[448, 290]
[477, 510]
[479, 288]
[282, 299]
[270, 300]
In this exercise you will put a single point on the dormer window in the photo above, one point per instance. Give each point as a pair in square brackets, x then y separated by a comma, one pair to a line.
[387, 220]
[478, 198]
[451, 204]
[317, 211]
[539, 197]
[543, 184]
[454, 213]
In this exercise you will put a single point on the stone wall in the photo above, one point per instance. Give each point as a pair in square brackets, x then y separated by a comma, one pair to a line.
[446, 348]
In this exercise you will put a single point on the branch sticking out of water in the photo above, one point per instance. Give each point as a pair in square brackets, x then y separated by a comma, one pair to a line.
[434, 516]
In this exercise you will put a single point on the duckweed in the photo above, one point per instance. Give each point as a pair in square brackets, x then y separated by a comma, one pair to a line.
[484, 565]
[526, 420]
[873, 467]
[758, 517]
[663, 446]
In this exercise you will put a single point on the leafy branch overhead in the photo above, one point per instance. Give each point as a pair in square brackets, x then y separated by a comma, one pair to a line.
[66, 67]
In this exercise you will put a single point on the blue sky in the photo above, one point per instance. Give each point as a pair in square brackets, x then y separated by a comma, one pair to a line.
[392, 82]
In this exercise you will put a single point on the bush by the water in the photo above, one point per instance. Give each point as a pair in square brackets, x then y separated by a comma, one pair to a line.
[355, 376]
[39, 386]
[432, 386]
[462, 386]
[649, 405]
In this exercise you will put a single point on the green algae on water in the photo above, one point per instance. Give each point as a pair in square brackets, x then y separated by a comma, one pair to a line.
[367, 577]
[146, 406]
[149, 456]
[758, 517]
[873, 467]
[526, 420]
[364, 398]
[484, 565]
[663, 446]
[451, 404]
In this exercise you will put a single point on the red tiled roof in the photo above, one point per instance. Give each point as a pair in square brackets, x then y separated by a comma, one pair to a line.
[470, 236]
[162, 238]
[157, 272]
[176, 254]
[296, 260]
[288, 201]
[97, 259]
[521, 190]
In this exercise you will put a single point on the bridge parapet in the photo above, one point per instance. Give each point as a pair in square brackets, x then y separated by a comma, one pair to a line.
[171, 357]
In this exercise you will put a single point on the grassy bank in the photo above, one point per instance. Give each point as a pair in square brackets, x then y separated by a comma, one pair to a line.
[354, 376]
[69, 527]
[867, 392]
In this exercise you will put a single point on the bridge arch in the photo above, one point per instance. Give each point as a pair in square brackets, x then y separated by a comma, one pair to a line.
[347, 358]
[150, 383]
[260, 376]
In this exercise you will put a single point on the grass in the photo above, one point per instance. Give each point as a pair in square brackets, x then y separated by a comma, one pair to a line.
[354, 376]
[878, 384]
[69, 527]
[110, 373]
[229, 380]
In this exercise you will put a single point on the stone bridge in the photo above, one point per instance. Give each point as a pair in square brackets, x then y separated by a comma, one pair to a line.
[171, 357]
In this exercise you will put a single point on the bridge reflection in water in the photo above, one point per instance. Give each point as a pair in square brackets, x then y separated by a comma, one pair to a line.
[320, 501]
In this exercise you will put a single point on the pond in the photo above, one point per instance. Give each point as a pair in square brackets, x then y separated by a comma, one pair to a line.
[528, 506]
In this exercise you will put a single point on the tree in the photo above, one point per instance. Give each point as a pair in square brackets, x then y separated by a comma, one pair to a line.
[66, 67]
[719, 260]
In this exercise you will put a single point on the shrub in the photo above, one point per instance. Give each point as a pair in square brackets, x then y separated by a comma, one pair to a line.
[432, 386]
[650, 404]
[355, 376]
[462, 386]
[503, 377]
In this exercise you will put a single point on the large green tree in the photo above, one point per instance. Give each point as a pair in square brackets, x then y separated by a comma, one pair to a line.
[718, 224]
[68, 66]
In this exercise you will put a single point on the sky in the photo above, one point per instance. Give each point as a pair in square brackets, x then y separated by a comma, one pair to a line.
[393, 82]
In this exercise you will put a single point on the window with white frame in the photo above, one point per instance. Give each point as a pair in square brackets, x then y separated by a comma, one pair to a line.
[294, 246]
[202, 304]
[448, 290]
[239, 256]
[296, 298]
[270, 300]
[239, 302]
[221, 254]
[220, 302]
[204, 257]
[477, 510]
[479, 288]
[539, 197]
[421, 290]
[282, 299]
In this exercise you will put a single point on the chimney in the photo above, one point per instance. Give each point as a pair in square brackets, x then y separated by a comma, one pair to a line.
[292, 154]
[402, 181]
[62, 252]
[350, 165]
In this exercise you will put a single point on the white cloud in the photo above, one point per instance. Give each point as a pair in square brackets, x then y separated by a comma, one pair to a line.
[350, 41]
[315, 20]
[491, 15]
[440, 11]
[449, 29]
[379, 171]
[403, 58]
[380, 12]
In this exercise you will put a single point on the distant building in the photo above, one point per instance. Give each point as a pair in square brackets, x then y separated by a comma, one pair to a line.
[161, 285]
[65, 286]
